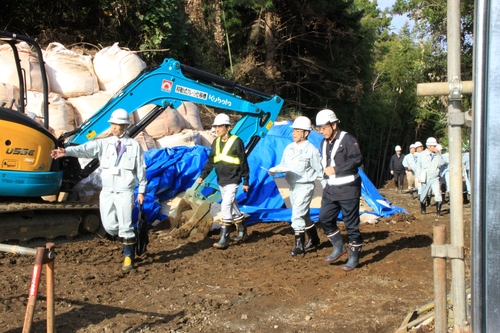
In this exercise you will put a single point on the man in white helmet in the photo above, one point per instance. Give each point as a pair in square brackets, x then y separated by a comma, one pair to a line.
[227, 156]
[122, 164]
[341, 159]
[429, 164]
[303, 161]
[397, 169]
[419, 147]
[410, 164]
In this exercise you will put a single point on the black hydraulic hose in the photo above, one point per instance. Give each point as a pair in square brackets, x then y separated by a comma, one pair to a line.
[199, 74]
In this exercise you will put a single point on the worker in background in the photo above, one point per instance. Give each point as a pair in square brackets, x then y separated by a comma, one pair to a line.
[122, 163]
[428, 167]
[228, 157]
[340, 158]
[397, 169]
[444, 175]
[419, 147]
[410, 164]
[466, 175]
[302, 161]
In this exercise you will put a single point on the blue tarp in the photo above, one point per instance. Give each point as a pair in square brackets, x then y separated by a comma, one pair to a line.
[173, 170]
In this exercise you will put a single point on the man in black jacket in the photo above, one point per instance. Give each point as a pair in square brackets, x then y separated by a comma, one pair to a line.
[227, 156]
[340, 158]
[397, 169]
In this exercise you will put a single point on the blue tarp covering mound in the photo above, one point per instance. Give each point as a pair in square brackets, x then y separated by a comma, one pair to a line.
[173, 170]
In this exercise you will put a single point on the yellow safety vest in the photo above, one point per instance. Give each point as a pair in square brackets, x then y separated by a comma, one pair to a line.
[224, 156]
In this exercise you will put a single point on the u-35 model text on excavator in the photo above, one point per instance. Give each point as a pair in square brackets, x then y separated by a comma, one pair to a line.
[28, 172]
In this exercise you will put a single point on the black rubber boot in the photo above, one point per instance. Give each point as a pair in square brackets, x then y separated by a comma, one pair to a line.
[313, 238]
[353, 261]
[338, 247]
[443, 196]
[224, 236]
[129, 253]
[438, 209]
[300, 238]
[422, 208]
[241, 228]
[428, 200]
[466, 198]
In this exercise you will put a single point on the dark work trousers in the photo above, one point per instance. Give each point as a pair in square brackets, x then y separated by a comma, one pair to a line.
[399, 179]
[350, 214]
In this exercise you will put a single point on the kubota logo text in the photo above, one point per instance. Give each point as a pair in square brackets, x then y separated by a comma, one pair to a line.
[217, 99]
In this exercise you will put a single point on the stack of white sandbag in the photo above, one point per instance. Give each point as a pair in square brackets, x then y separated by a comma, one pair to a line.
[79, 86]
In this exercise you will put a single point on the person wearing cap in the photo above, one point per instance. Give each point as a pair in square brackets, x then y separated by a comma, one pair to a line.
[410, 164]
[303, 162]
[227, 156]
[341, 158]
[429, 164]
[397, 169]
[122, 164]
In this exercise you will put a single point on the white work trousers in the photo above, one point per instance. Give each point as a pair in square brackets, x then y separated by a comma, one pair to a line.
[300, 197]
[431, 184]
[116, 213]
[229, 207]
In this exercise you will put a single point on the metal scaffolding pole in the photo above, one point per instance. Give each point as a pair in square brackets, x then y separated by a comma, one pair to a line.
[485, 226]
[455, 165]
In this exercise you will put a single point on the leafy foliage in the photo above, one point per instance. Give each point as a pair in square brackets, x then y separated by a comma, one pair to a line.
[315, 54]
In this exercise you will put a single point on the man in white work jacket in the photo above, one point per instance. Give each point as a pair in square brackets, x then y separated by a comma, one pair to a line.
[122, 163]
[303, 162]
[429, 164]
[341, 158]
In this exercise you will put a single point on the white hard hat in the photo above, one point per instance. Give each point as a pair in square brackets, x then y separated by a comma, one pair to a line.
[418, 144]
[431, 142]
[412, 146]
[120, 117]
[302, 123]
[398, 148]
[325, 116]
[221, 119]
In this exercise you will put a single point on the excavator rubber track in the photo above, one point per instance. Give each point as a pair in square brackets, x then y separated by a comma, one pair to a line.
[24, 221]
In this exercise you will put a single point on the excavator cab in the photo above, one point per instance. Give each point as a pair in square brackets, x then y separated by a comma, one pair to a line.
[25, 143]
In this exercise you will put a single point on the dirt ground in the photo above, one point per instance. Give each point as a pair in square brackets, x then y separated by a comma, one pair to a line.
[255, 286]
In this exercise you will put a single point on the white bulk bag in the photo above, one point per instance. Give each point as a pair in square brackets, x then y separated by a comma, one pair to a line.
[70, 74]
[61, 113]
[187, 138]
[169, 122]
[8, 93]
[191, 114]
[206, 138]
[86, 106]
[116, 66]
[29, 62]
[146, 142]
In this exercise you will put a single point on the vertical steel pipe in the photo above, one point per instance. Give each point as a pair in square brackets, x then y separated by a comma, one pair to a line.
[485, 179]
[455, 149]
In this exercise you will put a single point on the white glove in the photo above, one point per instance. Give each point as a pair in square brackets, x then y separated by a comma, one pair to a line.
[272, 171]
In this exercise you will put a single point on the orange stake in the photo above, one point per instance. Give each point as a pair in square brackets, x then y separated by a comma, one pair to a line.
[35, 280]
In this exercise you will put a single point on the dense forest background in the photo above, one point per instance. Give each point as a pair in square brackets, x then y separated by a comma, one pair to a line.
[338, 54]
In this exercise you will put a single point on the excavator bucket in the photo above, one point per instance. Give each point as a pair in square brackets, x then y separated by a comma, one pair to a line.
[192, 214]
